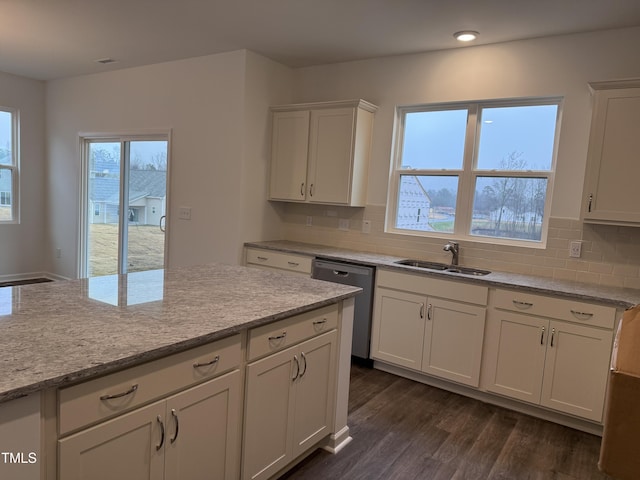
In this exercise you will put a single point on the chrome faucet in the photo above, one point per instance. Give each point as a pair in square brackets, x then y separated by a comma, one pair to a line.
[454, 248]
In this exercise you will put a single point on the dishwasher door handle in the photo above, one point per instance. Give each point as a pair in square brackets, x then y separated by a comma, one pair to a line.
[340, 273]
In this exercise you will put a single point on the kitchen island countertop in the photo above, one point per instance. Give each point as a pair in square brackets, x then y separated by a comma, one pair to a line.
[59, 333]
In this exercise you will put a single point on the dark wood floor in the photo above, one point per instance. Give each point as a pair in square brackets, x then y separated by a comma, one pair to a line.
[406, 430]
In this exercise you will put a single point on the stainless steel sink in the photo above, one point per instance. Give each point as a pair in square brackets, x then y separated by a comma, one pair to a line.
[443, 267]
[423, 264]
[468, 271]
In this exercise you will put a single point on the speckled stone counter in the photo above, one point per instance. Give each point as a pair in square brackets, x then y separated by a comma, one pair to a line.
[618, 297]
[58, 333]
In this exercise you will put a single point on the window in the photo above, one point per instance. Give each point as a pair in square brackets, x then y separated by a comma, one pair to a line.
[8, 166]
[482, 171]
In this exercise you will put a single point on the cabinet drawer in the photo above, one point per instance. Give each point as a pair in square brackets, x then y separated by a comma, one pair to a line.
[284, 333]
[103, 397]
[562, 309]
[283, 261]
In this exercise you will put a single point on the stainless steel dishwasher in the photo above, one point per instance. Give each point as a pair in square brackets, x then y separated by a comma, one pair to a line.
[357, 276]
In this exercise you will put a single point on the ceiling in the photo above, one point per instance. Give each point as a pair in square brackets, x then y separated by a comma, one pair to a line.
[48, 39]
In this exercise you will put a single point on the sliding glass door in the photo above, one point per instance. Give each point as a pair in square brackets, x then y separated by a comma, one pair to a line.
[125, 201]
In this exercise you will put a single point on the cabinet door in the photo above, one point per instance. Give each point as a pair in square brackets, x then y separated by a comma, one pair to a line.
[453, 341]
[269, 412]
[576, 369]
[203, 431]
[398, 328]
[125, 447]
[517, 353]
[612, 166]
[314, 389]
[289, 151]
[331, 140]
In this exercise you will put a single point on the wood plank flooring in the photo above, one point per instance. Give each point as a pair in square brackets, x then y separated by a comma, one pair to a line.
[406, 430]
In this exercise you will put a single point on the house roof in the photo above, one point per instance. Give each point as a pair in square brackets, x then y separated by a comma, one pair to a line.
[142, 183]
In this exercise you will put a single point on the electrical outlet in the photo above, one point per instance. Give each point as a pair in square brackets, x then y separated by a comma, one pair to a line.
[184, 213]
[366, 226]
[343, 224]
[575, 249]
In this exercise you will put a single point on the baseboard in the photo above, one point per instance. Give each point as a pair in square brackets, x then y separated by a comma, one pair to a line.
[338, 441]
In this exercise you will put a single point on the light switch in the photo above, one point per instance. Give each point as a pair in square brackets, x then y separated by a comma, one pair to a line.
[184, 213]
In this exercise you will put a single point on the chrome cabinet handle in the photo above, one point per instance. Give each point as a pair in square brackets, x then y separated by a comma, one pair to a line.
[320, 322]
[278, 337]
[263, 259]
[206, 364]
[590, 202]
[293, 264]
[542, 337]
[553, 333]
[581, 314]
[119, 395]
[159, 446]
[304, 370]
[175, 417]
[422, 310]
[302, 189]
[295, 359]
[311, 190]
[522, 305]
[429, 311]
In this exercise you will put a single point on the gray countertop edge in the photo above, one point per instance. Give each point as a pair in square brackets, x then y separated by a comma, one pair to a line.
[161, 352]
[615, 296]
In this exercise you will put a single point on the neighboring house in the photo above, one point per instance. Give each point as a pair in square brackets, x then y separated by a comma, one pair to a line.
[5, 188]
[413, 205]
[147, 197]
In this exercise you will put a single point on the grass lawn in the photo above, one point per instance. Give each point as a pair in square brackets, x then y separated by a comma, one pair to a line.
[146, 248]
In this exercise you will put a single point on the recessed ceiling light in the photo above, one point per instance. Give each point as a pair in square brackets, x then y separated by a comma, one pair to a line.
[466, 35]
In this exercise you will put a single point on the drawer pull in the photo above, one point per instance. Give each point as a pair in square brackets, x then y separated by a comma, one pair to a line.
[278, 337]
[120, 395]
[320, 322]
[294, 264]
[584, 315]
[175, 417]
[206, 364]
[522, 305]
[263, 259]
[340, 273]
[159, 446]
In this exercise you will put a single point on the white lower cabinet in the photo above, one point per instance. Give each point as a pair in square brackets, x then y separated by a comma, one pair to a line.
[289, 404]
[193, 434]
[414, 327]
[558, 364]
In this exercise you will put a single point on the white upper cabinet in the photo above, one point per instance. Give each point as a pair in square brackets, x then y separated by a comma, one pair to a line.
[613, 165]
[320, 152]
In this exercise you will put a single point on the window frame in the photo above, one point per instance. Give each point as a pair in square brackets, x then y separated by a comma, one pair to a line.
[13, 167]
[469, 173]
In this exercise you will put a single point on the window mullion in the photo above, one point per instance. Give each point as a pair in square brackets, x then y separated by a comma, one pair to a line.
[465, 192]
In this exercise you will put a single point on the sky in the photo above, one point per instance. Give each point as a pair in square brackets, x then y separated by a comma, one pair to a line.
[435, 140]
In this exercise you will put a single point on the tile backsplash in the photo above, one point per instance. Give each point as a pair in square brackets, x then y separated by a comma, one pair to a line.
[610, 254]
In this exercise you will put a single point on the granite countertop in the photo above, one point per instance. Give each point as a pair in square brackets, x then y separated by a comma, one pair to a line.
[58, 333]
[618, 297]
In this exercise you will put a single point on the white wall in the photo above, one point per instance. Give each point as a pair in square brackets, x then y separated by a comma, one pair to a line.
[22, 245]
[542, 67]
[204, 102]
